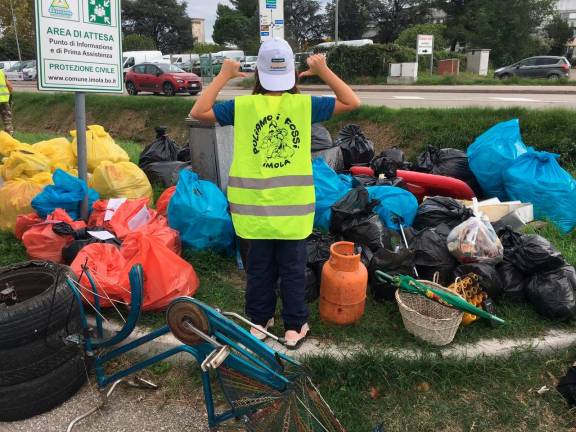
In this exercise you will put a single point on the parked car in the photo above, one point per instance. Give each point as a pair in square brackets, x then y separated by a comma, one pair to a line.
[30, 72]
[549, 67]
[180, 59]
[202, 67]
[249, 63]
[7, 64]
[161, 78]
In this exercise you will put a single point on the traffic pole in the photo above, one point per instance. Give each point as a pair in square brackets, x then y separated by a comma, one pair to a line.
[80, 116]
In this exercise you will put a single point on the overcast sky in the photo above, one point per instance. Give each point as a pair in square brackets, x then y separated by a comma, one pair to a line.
[207, 9]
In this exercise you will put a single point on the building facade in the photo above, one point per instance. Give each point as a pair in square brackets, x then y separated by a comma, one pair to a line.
[198, 33]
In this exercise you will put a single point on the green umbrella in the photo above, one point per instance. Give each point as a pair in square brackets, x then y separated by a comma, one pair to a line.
[411, 285]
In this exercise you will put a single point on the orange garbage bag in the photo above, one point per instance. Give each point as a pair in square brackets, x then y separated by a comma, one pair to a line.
[166, 275]
[24, 222]
[106, 265]
[42, 243]
[159, 229]
[130, 216]
[121, 212]
[164, 200]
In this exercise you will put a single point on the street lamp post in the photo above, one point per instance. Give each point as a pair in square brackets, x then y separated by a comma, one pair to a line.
[16, 31]
[336, 24]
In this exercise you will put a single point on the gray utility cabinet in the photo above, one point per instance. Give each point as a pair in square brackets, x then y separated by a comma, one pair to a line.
[211, 151]
[478, 61]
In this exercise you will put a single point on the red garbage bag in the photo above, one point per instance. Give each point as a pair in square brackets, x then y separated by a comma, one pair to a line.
[24, 222]
[159, 229]
[122, 218]
[106, 265]
[164, 200]
[166, 275]
[98, 212]
[43, 243]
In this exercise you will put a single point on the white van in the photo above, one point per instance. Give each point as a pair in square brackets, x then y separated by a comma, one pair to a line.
[7, 64]
[131, 58]
[179, 59]
[230, 54]
[352, 43]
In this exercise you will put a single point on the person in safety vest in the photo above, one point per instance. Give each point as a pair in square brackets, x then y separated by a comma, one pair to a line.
[271, 187]
[5, 108]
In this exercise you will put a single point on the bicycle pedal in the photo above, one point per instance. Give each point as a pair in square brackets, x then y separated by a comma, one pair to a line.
[215, 358]
[141, 383]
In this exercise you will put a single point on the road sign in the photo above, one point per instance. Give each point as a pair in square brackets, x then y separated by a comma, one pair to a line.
[425, 44]
[79, 45]
[271, 19]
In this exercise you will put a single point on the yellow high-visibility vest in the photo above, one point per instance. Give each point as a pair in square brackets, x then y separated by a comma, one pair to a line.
[271, 188]
[4, 92]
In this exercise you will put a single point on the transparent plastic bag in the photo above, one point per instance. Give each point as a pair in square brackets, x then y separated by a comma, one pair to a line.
[475, 241]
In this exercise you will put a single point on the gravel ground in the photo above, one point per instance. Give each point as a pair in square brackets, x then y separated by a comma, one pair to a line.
[130, 410]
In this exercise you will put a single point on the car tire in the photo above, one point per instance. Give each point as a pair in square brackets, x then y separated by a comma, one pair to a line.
[131, 88]
[194, 93]
[553, 77]
[48, 304]
[30, 361]
[505, 77]
[168, 89]
[37, 396]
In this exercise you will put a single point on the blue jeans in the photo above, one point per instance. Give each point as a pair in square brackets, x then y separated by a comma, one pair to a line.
[271, 263]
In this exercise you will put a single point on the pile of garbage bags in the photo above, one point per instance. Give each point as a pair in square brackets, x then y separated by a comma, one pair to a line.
[28, 172]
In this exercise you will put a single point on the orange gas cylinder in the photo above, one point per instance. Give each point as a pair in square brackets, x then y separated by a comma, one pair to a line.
[343, 286]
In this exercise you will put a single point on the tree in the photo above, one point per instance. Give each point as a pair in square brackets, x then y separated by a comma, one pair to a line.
[136, 42]
[24, 13]
[394, 16]
[558, 32]
[303, 22]
[164, 21]
[408, 37]
[206, 48]
[353, 18]
[8, 47]
[238, 25]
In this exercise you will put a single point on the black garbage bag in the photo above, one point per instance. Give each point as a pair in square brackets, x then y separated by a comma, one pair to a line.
[551, 293]
[388, 162]
[163, 149]
[184, 154]
[312, 285]
[567, 386]
[441, 210]
[454, 163]
[364, 180]
[356, 148]
[164, 173]
[431, 254]
[396, 261]
[332, 156]
[425, 160]
[321, 139]
[530, 253]
[490, 280]
[318, 249]
[81, 239]
[354, 219]
[513, 281]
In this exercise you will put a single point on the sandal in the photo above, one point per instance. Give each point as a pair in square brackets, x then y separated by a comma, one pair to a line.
[255, 331]
[294, 339]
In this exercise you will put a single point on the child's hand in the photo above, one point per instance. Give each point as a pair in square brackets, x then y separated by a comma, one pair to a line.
[231, 69]
[316, 65]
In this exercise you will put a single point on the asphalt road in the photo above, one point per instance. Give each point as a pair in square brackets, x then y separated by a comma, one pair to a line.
[429, 97]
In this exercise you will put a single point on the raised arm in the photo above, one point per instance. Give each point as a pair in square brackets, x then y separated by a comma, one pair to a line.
[202, 109]
[346, 99]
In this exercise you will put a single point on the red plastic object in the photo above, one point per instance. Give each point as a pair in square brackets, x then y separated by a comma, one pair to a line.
[24, 222]
[164, 200]
[438, 185]
[166, 275]
[362, 170]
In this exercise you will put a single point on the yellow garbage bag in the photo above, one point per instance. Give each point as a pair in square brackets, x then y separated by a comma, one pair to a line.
[16, 198]
[8, 144]
[100, 147]
[22, 164]
[121, 180]
[58, 151]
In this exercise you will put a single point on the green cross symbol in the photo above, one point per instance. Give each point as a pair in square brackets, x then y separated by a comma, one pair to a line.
[99, 12]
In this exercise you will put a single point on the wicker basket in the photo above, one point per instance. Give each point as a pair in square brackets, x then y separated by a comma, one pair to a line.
[427, 319]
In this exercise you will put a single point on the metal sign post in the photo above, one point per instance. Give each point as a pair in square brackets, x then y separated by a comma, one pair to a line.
[271, 19]
[426, 47]
[79, 50]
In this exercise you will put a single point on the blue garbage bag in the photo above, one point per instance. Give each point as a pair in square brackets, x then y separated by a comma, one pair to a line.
[536, 177]
[397, 206]
[492, 153]
[329, 189]
[198, 210]
[66, 193]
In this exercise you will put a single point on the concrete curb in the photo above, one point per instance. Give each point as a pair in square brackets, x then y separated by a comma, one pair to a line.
[489, 348]
[453, 89]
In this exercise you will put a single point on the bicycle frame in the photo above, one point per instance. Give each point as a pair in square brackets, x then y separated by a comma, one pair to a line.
[248, 356]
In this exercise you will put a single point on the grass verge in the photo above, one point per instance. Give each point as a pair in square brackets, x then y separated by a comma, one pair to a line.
[467, 78]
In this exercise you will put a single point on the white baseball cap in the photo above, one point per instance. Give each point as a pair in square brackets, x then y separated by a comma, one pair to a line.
[276, 65]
